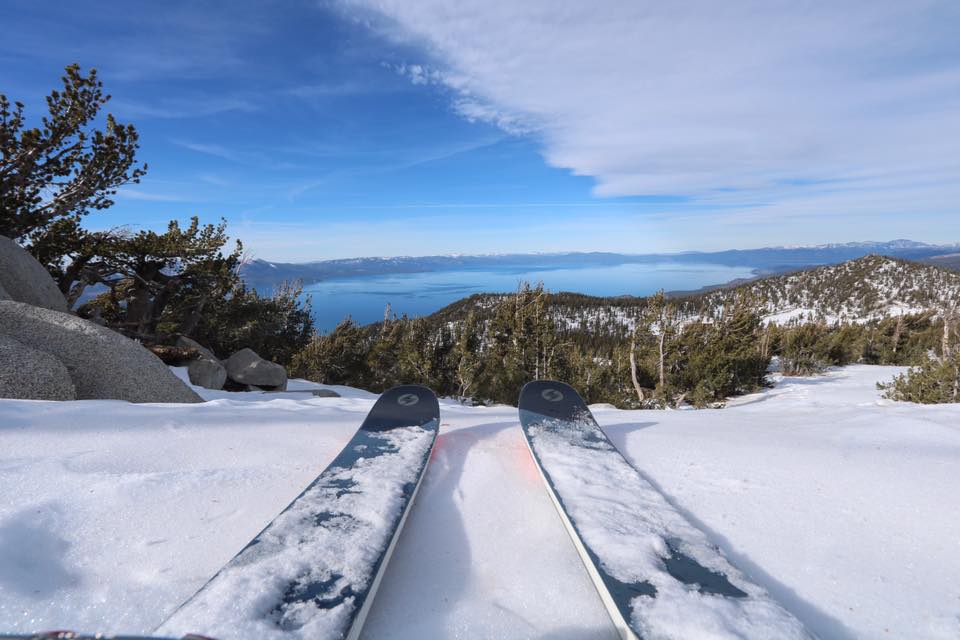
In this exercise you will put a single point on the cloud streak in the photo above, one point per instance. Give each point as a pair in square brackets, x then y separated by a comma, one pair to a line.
[722, 101]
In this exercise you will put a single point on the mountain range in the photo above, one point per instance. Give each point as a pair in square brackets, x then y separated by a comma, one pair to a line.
[264, 274]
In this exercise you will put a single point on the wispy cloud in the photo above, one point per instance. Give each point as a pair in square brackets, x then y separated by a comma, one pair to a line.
[213, 179]
[129, 193]
[180, 107]
[758, 99]
[248, 158]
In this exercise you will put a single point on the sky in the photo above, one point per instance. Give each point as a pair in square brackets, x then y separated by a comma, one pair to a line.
[343, 128]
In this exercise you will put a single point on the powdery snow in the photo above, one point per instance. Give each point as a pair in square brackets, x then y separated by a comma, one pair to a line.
[839, 504]
[627, 523]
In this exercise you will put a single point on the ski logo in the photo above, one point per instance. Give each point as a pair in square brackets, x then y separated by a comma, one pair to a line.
[408, 400]
[552, 395]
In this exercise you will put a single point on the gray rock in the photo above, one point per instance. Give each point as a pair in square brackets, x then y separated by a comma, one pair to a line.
[3, 294]
[209, 374]
[325, 393]
[102, 363]
[26, 280]
[246, 367]
[29, 374]
[190, 343]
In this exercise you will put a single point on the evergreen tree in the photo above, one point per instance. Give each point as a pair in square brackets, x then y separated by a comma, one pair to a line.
[276, 326]
[337, 358]
[54, 174]
[467, 356]
[935, 381]
[151, 275]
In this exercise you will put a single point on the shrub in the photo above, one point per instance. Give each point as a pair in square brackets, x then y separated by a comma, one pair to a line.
[935, 381]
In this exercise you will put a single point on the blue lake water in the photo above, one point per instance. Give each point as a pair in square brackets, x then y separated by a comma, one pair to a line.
[417, 294]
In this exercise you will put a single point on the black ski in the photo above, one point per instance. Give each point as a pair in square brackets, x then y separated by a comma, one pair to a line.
[313, 572]
[657, 574]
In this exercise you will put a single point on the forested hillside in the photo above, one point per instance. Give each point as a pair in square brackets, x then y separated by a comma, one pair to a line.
[868, 288]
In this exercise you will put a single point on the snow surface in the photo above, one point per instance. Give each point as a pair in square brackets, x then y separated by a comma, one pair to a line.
[841, 505]
[627, 523]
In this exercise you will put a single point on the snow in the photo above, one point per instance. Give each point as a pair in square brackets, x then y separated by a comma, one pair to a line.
[627, 523]
[839, 504]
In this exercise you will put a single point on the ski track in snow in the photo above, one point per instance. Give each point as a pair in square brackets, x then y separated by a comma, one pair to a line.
[842, 506]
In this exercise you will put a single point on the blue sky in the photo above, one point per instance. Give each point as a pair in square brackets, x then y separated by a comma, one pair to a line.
[359, 127]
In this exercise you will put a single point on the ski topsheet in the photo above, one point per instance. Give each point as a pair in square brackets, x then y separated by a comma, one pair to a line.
[70, 635]
[657, 574]
[312, 573]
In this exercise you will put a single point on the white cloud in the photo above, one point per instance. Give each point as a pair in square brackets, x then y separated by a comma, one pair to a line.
[130, 193]
[730, 100]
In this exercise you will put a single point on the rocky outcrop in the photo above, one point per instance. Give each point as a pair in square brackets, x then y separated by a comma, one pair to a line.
[102, 363]
[209, 374]
[23, 279]
[3, 294]
[325, 393]
[30, 374]
[245, 367]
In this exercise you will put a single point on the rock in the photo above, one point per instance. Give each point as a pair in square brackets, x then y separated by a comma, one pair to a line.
[29, 374]
[246, 367]
[102, 363]
[184, 341]
[325, 393]
[26, 280]
[209, 374]
[3, 294]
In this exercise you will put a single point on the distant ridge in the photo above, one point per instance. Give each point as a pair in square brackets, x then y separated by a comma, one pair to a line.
[768, 260]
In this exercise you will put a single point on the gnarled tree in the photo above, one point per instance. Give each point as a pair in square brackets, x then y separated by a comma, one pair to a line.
[54, 174]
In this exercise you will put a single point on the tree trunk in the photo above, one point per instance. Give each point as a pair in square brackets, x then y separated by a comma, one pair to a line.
[945, 349]
[633, 370]
[896, 333]
[663, 337]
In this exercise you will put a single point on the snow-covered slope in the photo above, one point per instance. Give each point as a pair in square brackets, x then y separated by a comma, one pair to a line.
[868, 288]
[840, 504]
[864, 289]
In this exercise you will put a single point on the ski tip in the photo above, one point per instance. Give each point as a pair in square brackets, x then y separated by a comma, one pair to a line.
[551, 398]
[403, 406]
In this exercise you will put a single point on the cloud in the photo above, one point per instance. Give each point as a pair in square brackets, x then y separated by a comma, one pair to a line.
[130, 193]
[179, 107]
[730, 100]
[257, 159]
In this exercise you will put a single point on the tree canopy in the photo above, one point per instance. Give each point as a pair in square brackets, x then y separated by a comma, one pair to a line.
[66, 167]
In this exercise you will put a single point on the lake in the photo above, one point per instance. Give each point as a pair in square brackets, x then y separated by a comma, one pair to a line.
[417, 294]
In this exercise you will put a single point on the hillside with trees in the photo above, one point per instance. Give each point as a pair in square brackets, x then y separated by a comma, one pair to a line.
[658, 351]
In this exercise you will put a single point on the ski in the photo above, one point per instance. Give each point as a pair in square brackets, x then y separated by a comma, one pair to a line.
[657, 575]
[313, 572]
[71, 635]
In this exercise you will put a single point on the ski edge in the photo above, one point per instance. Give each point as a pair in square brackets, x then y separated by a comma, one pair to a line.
[360, 618]
[620, 623]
